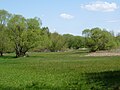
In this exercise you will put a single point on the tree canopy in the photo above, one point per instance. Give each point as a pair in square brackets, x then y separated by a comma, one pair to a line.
[98, 39]
[24, 33]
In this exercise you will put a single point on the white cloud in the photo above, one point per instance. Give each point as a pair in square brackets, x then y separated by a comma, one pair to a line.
[100, 6]
[66, 16]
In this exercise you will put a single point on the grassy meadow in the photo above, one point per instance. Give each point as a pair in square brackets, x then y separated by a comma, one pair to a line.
[59, 71]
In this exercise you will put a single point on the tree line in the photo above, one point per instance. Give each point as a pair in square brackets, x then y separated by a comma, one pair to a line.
[20, 35]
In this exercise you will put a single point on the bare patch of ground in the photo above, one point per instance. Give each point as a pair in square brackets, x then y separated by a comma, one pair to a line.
[104, 53]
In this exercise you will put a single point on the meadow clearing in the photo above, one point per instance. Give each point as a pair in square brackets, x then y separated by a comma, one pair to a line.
[59, 71]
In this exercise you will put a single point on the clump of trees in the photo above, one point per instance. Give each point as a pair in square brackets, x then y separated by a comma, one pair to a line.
[20, 35]
[74, 42]
[99, 39]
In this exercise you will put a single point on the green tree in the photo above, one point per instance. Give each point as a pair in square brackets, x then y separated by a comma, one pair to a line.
[45, 41]
[98, 39]
[4, 17]
[118, 40]
[68, 40]
[74, 42]
[77, 42]
[24, 33]
[86, 34]
[57, 42]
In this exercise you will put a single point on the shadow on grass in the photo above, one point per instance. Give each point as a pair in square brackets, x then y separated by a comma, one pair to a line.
[109, 80]
[7, 57]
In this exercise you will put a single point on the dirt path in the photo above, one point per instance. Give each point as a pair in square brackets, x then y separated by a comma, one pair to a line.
[103, 53]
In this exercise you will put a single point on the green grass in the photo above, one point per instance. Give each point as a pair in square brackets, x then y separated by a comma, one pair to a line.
[59, 71]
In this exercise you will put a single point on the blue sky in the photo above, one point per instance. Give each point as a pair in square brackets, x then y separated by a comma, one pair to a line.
[69, 16]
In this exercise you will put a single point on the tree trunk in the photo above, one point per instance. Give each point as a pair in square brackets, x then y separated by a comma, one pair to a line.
[20, 51]
[20, 54]
[1, 53]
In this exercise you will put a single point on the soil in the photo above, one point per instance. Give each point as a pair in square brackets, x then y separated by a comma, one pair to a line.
[104, 53]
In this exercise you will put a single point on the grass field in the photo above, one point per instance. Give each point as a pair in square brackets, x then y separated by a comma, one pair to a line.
[59, 71]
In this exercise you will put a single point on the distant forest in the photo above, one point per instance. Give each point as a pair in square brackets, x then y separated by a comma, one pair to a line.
[20, 35]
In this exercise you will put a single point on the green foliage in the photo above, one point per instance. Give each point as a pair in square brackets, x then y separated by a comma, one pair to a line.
[23, 33]
[45, 41]
[58, 42]
[74, 42]
[77, 42]
[68, 40]
[118, 40]
[34, 23]
[4, 40]
[98, 39]
[4, 17]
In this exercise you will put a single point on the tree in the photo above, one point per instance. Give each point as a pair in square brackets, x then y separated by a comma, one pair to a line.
[74, 42]
[77, 42]
[68, 40]
[86, 34]
[45, 40]
[98, 39]
[4, 17]
[118, 40]
[57, 42]
[24, 33]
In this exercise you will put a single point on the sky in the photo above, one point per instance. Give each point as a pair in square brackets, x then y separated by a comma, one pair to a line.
[69, 16]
